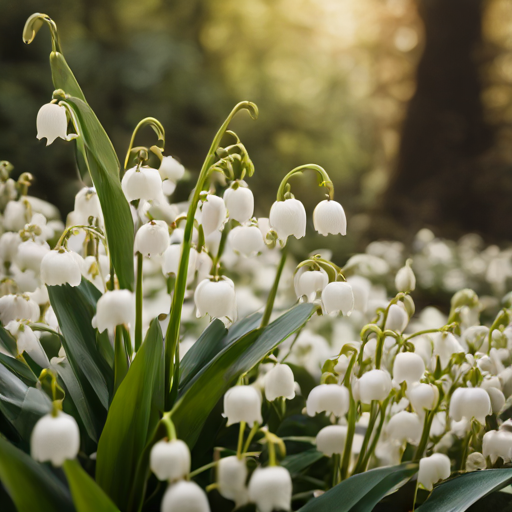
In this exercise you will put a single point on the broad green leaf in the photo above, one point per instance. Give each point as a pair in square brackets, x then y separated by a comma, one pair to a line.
[299, 461]
[31, 485]
[74, 311]
[97, 152]
[63, 77]
[131, 419]
[7, 342]
[87, 495]
[458, 494]
[363, 491]
[207, 387]
[20, 369]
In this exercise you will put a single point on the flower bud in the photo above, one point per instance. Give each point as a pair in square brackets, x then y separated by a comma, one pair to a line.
[185, 496]
[27, 341]
[405, 280]
[338, 297]
[52, 122]
[374, 385]
[231, 477]
[497, 443]
[171, 262]
[423, 396]
[279, 381]
[329, 218]
[242, 403]
[216, 298]
[170, 460]
[288, 218]
[329, 398]
[152, 238]
[55, 439]
[115, 308]
[171, 169]
[445, 346]
[271, 489]
[239, 202]
[87, 204]
[405, 426]
[331, 440]
[408, 367]
[61, 267]
[466, 297]
[470, 403]
[213, 214]
[475, 462]
[246, 240]
[30, 255]
[309, 283]
[433, 469]
[142, 183]
[397, 319]
[18, 307]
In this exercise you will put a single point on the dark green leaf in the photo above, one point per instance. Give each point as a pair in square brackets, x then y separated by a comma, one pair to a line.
[87, 495]
[296, 463]
[131, 419]
[20, 369]
[31, 485]
[363, 491]
[208, 386]
[458, 494]
[7, 342]
[63, 77]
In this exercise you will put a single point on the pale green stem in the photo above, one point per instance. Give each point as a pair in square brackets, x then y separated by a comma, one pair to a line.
[252, 433]
[138, 303]
[299, 170]
[240, 440]
[273, 292]
[371, 423]
[148, 121]
[429, 417]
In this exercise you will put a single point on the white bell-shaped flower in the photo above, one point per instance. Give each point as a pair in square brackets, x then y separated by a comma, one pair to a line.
[497, 399]
[216, 298]
[27, 341]
[338, 296]
[170, 169]
[405, 280]
[30, 254]
[331, 440]
[279, 382]
[397, 319]
[497, 443]
[231, 477]
[18, 307]
[239, 201]
[152, 238]
[184, 496]
[171, 262]
[170, 460]
[213, 214]
[61, 267]
[52, 122]
[142, 183]
[9, 243]
[330, 398]
[470, 403]
[433, 469]
[423, 397]
[475, 462]
[405, 426]
[55, 439]
[242, 403]
[271, 489]
[288, 218]
[408, 367]
[329, 218]
[87, 204]
[14, 215]
[374, 385]
[445, 346]
[246, 240]
[310, 282]
[116, 307]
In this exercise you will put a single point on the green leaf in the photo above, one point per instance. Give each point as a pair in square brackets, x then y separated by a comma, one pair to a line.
[75, 308]
[8, 342]
[296, 463]
[20, 369]
[207, 387]
[31, 485]
[87, 495]
[63, 77]
[361, 492]
[458, 494]
[132, 417]
[97, 152]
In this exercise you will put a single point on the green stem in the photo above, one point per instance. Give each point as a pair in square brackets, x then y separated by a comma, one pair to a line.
[273, 292]
[376, 436]
[240, 440]
[252, 433]
[380, 345]
[173, 329]
[335, 469]
[429, 418]
[158, 129]
[120, 358]
[271, 454]
[347, 452]
[222, 245]
[203, 468]
[299, 170]
[465, 448]
[169, 425]
[415, 495]
[367, 436]
[138, 303]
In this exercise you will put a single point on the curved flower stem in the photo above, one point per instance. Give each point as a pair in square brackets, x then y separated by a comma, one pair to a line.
[203, 468]
[173, 328]
[299, 170]
[158, 129]
[292, 344]
[502, 317]
[371, 423]
[429, 418]
[376, 436]
[138, 303]
[220, 251]
[169, 425]
[420, 333]
[240, 440]
[34, 23]
[273, 292]
[248, 441]
[347, 452]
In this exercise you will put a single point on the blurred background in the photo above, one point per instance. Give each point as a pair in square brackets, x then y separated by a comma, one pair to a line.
[406, 103]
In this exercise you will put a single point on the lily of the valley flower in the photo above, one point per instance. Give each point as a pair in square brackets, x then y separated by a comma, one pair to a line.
[433, 469]
[423, 397]
[239, 202]
[279, 382]
[55, 439]
[216, 298]
[338, 297]
[52, 122]
[470, 403]
[374, 385]
[18, 307]
[329, 218]
[405, 426]
[116, 307]
[331, 440]
[170, 460]
[231, 477]
[310, 282]
[405, 280]
[497, 443]
[183, 496]
[246, 240]
[397, 319]
[213, 214]
[288, 218]
[27, 341]
[152, 238]
[171, 262]
[330, 398]
[171, 169]
[408, 367]
[271, 489]
[60, 267]
[242, 403]
[142, 183]
[87, 204]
